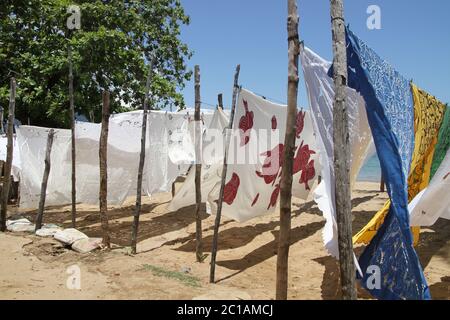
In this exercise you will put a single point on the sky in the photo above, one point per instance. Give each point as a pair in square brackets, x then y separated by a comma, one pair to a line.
[414, 37]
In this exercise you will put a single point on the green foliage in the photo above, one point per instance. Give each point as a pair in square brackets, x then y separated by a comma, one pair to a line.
[182, 277]
[110, 51]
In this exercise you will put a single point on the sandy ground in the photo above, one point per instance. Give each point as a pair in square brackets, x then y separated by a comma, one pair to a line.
[165, 268]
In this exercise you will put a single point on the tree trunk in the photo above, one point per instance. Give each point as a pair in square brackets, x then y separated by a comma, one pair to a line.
[48, 151]
[289, 146]
[9, 156]
[220, 100]
[137, 210]
[104, 170]
[342, 153]
[72, 124]
[224, 176]
[198, 169]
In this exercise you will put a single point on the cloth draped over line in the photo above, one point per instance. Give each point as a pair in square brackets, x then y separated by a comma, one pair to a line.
[252, 185]
[320, 89]
[443, 143]
[428, 115]
[389, 105]
[32, 143]
[16, 163]
[165, 130]
[212, 159]
[433, 202]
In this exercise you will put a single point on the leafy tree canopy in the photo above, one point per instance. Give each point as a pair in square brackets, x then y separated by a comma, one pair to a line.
[110, 51]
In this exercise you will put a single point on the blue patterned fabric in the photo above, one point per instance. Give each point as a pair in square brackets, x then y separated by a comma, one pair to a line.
[390, 111]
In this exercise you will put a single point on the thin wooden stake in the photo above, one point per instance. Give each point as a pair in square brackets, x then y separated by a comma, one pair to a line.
[288, 153]
[381, 183]
[72, 127]
[224, 176]
[47, 162]
[198, 169]
[9, 156]
[2, 130]
[220, 100]
[104, 170]
[137, 210]
[342, 153]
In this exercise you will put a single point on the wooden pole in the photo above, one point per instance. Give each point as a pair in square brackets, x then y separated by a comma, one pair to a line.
[198, 168]
[288, 153]
[342, 153]
[220, 100]
[224, 176]
[381, 183]
[2, 130]
[72, 125]
[137, 210]
[173, 188]
[9, 156]
[104, 170]
[47, 162]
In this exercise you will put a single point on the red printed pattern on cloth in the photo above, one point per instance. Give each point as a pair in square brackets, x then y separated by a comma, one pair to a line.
[245, 125]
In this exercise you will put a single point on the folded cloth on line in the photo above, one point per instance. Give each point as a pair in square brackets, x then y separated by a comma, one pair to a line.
[390, 111]
[428, 116]
[320, 89]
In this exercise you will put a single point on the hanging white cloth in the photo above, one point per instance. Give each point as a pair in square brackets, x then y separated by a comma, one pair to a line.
[433, 202]
[320, 89]
[16, 164]
[32, 144]
[255, 156]
[124, 146]
[212, 160]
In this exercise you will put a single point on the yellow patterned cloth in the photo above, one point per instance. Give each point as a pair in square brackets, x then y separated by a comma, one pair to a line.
[428, 116]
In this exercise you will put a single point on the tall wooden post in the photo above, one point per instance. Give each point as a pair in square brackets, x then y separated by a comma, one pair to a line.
[220, 101]
[288, 153]
[72, 127]
[137, 210]
[103, 148]
[47, 162]
[342, 153]
[9, 156]
[224, 176]
[198, 168]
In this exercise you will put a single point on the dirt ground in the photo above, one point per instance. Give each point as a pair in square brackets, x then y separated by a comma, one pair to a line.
[165, 266]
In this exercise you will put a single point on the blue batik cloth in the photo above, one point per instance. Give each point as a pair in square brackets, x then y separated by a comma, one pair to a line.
[390, 112]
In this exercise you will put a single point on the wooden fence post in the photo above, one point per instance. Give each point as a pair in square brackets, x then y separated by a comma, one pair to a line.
[342, 153]
[47, 162]
[103, 148]
[220, 101]
[9, 155]
[224, 176]
[288, 153]
[137, 210]
[72, 127]
[382, 183]
[198, 168]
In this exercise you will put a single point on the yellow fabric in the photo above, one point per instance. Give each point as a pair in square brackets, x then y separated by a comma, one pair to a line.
[428, 116]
